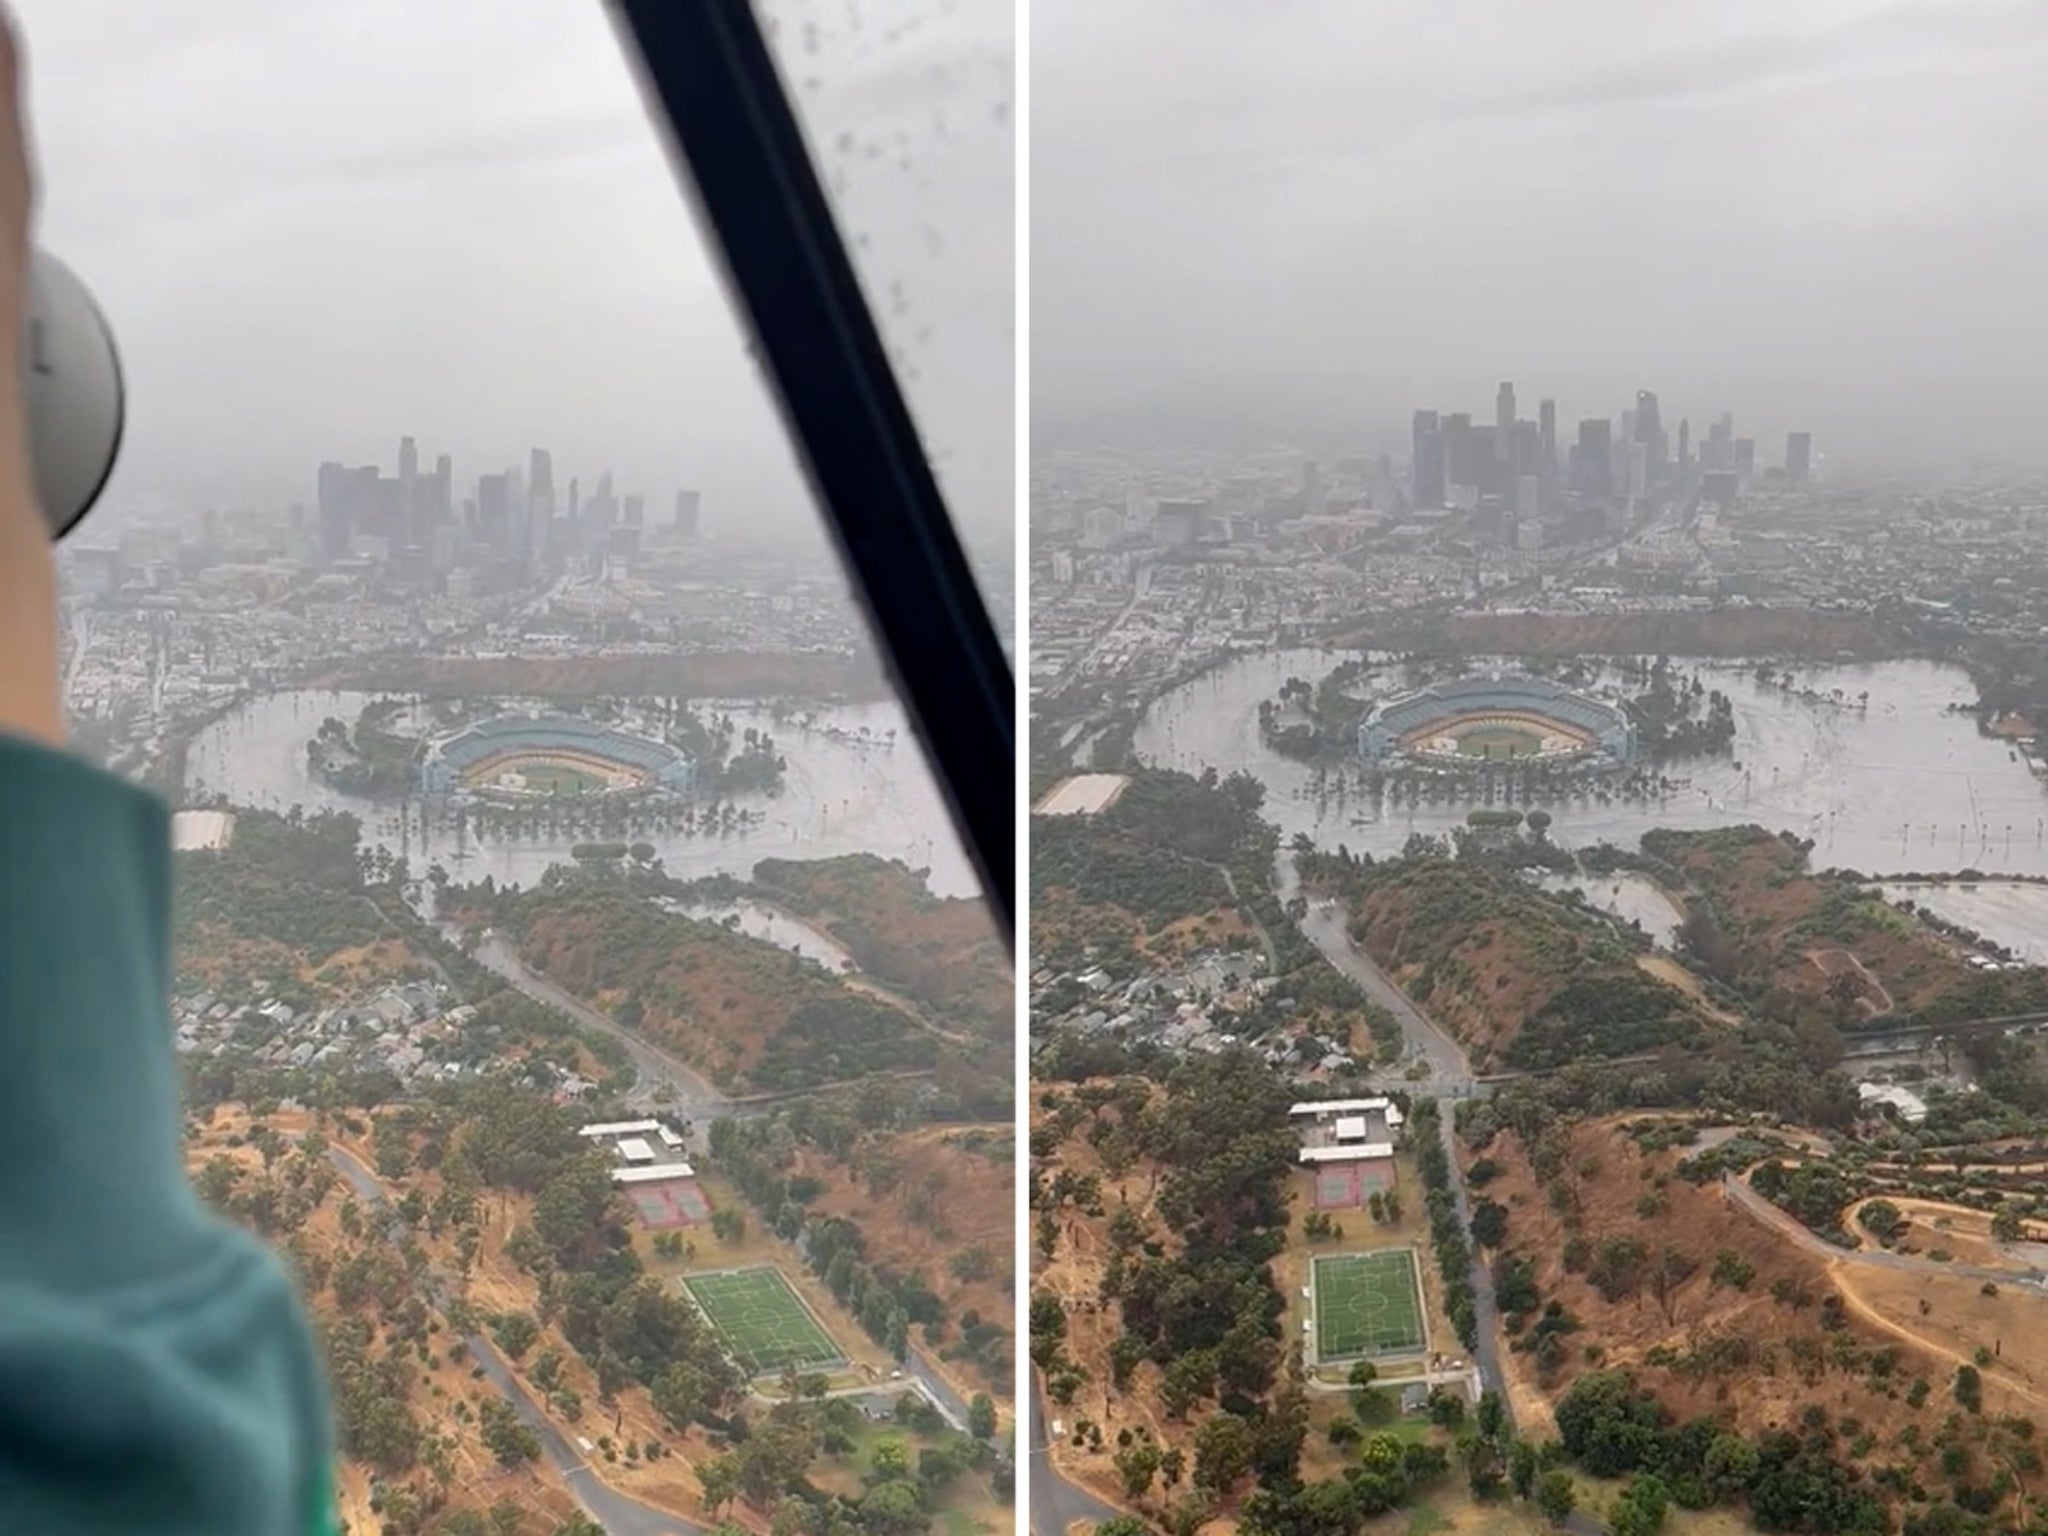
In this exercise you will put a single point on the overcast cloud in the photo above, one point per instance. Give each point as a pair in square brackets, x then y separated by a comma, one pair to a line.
[1304, 218]
[318, 226]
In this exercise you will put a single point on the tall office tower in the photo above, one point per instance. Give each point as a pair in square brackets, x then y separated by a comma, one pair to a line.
[1648, 424]
[604, 510]
[1504, 422]
[1798, 456]
[1546, 424]
[1684, 441]
[636, 512]
[686, 513]
[337, 510]
[1718, 452]
[575, 499]
[494, 510]
[1745, 455]
[443, 501]
[1459, 468]
[1593, 458]
[1527, 454]
[540, 475]
[409, 530]
[1427, 465]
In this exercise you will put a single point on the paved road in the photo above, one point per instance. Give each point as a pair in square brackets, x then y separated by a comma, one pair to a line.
[1739, 1190]
[1055, 1503]
[692, 1097]
[618, 1514]
[1324, 925]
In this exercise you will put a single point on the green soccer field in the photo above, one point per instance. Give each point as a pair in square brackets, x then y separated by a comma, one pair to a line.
[762, 1322]
[1367, 1304]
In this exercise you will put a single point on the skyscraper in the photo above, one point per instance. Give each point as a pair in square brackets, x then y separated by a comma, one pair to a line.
[409, 532]
[1546, 424]
[1459, 465]
[1798, 456]
[1504, 423]
[1684, 441]
[1648, 424]
[1428, 462]
[1593, 459]
[686, 513]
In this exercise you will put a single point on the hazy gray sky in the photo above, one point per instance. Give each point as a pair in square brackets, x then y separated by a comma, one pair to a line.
[319, 226]
[1308, 217]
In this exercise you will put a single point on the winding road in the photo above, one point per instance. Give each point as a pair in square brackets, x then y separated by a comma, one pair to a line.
[1325, 925]
[615, 1511]
[1788, 1226]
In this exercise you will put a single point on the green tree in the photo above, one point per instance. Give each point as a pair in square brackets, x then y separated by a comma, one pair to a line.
[1522, 1469]
[1970, 1388]
[515, 1333]
[1555, 1495]
[981, 1417]
[506, 1434]
[1881, 1219]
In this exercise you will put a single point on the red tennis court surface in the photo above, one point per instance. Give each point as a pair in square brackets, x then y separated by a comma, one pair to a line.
[673, 1203]
[1339, 1189]
[1350, 1186]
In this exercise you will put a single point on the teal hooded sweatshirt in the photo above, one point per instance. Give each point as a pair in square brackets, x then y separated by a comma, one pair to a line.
[156, 1371]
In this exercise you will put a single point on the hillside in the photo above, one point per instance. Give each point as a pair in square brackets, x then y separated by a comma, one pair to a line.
[944, 952]
[1162, 1198]
[751, 1015]
[1614, 1260]
[1144, 882]
[1806, 946]
[938, 1202]
[1522, 978]
[408, 1407]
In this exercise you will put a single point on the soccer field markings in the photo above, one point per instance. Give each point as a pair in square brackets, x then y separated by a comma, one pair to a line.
[761, 1320]
[1366, 1304]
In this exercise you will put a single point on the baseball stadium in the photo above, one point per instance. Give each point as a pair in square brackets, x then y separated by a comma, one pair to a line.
[522, 757]
[1495, 719]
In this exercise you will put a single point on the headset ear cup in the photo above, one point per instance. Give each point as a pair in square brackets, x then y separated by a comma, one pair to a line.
[72, 394]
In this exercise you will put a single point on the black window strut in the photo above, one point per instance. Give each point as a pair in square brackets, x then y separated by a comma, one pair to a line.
[708, 66]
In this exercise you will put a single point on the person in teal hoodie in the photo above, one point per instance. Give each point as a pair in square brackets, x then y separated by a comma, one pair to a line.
[156, 1370]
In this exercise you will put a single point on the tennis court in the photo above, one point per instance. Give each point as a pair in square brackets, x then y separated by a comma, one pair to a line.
[1367, 1304]
[762, 1322]
[674, 1203]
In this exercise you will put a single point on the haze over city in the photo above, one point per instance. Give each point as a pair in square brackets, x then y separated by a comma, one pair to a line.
[315, 231]
[1819, 216]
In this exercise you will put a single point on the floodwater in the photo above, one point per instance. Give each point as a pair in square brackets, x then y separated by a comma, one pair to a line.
[2011, 913]
[1904, 785]
[856, 783]
[1629, 896]
[772, 925]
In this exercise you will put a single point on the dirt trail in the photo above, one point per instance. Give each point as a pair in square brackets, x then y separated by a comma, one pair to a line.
[1854, 1300]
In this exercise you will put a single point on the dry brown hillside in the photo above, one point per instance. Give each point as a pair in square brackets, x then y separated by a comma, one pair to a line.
[1714, 1310]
